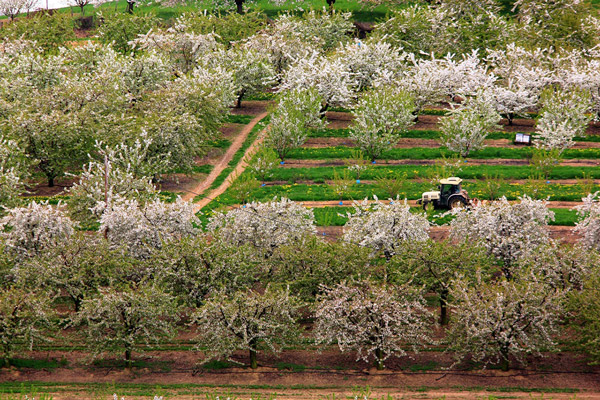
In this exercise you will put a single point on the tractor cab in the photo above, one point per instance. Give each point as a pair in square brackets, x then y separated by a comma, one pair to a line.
[450, 195]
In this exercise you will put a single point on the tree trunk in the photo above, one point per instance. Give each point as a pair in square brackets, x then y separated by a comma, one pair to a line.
[82, 10]
[239, 4]
[379, 359]
[239, 99]
[444, 307]
[510, 118]
[77, 303]
[504, 361]
[253, 362]
[130, 7]
[128, 357]
[50, 181]
[330, 4]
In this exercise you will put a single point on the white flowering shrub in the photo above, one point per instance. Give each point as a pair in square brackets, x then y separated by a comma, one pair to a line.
[416, 29]
[511, 100]
[141, 229]
[185, 50]
[25, 318]
[104, 185]
[493, 322]
[379, 115]
[76, 269]
[262, 163]
[561, 266]
[246, 320]
[196, 267]
[434, 264]
[182, 117]
[265, 226]
[516, 66]
[375, 321]
[252, 71]
[466, 128]
[120, 320]
[282, 43]
[508, 231]
[564, 115]
[14, 170]
[370, 61]
[331, 77]
[588, 225]
[431, 81]
[385, 227]
[31, 230]
[298, 110]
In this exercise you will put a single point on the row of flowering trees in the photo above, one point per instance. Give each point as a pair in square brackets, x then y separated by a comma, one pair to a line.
[503, 285]
[169, 91]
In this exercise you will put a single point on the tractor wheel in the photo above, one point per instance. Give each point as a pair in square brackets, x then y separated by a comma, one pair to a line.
[457, 202]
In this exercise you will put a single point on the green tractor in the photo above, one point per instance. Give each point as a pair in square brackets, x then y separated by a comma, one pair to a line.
[450, 195]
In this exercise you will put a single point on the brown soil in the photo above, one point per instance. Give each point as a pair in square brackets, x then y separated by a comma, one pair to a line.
[500, 161]
[223, 163]
[326, 372]
[251, 107]
[407, 143]
[341, 120]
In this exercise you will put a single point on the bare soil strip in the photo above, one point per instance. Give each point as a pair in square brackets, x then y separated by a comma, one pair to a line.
[491, 161]
[372, 182]
[224, 161]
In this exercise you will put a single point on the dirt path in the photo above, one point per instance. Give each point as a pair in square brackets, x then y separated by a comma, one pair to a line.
[224, 161]
[309, 163]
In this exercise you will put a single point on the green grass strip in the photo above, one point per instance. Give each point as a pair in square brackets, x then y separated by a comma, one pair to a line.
[509, 172]
[424, 153]
[411, 190]
[239, 119]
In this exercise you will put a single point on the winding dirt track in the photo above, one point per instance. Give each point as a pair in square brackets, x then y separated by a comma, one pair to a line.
[223, 162]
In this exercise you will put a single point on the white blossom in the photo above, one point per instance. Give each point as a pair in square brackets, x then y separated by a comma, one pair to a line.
[376, 322]
[244, 320]
[35, 228]
[380, 114]
[588, 225]
[298, 110]
[563, 116]
[384, 227]
[466, 127]
[494, 321]
[331, 77]
[140, 229]
[508, 231]
[265, 226]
